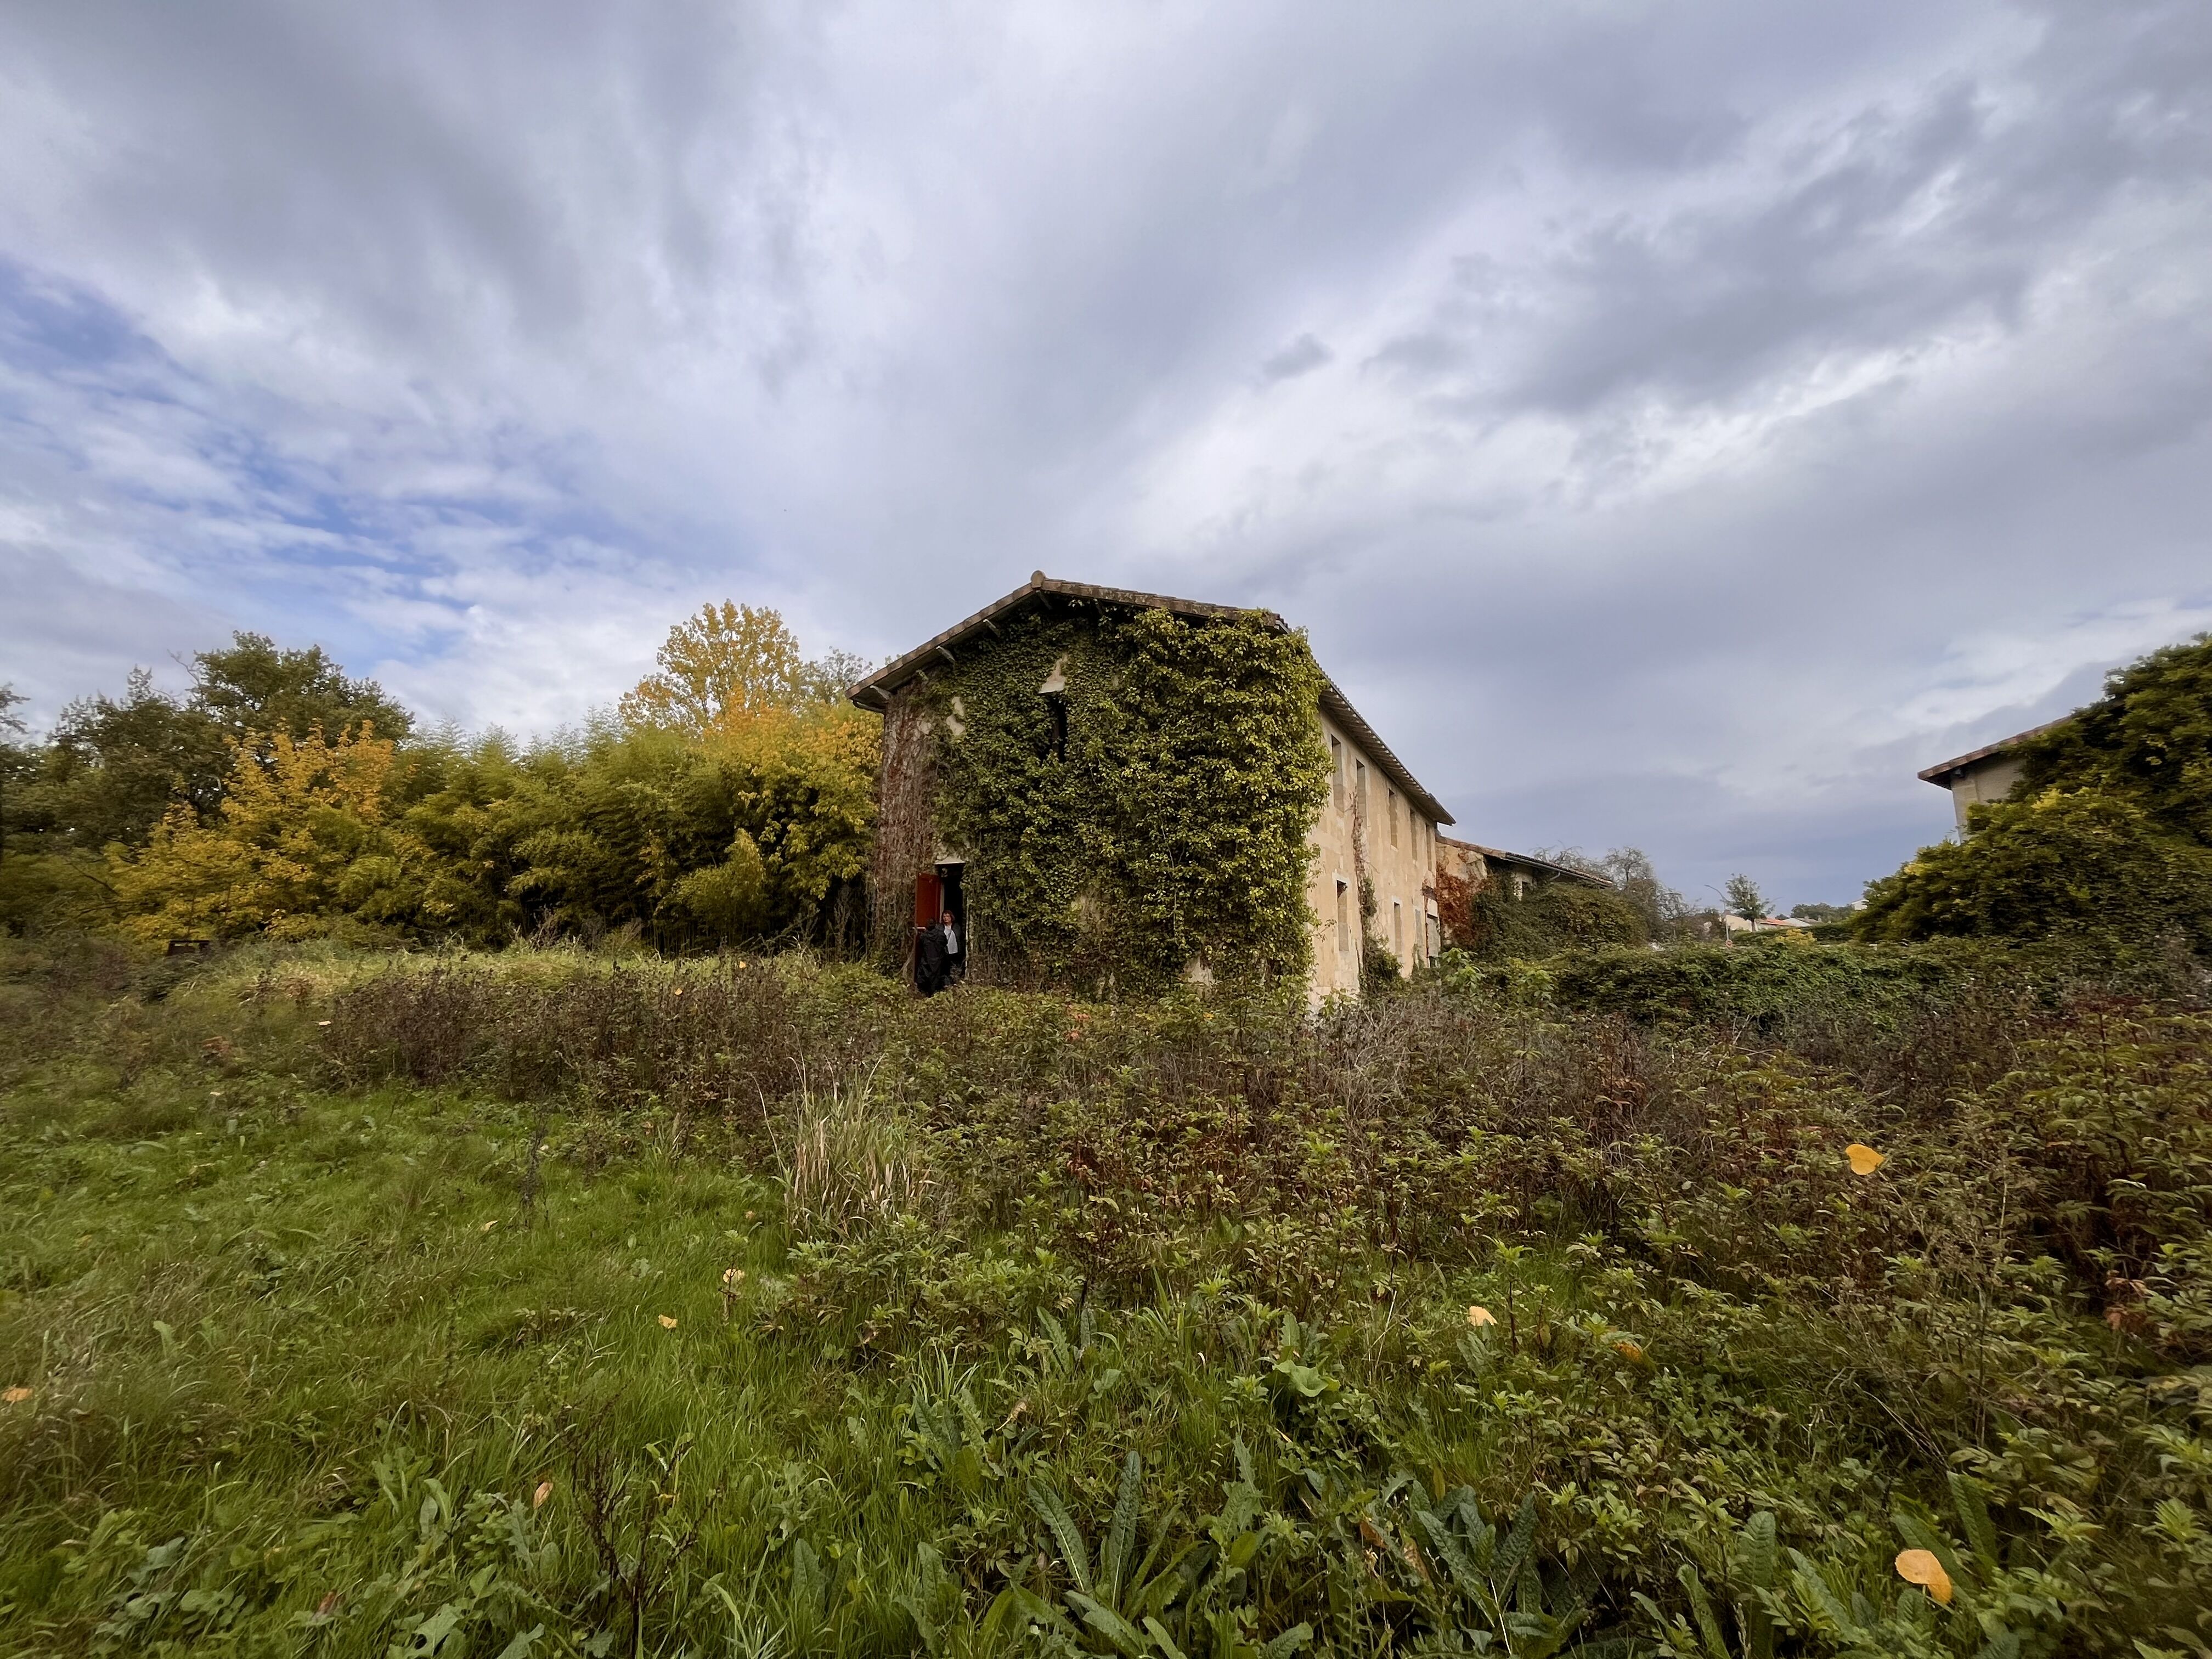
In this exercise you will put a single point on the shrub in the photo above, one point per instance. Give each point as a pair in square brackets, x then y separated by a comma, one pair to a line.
[2079, 864]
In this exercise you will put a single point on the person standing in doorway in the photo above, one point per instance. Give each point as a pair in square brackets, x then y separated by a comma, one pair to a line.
[956, 952]
[936, 955]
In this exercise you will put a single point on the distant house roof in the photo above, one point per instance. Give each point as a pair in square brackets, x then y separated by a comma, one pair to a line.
[1943, 772]
[1522, 861]
[875, 692]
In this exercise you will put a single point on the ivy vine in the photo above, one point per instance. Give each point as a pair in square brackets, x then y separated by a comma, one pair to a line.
[1149, 811]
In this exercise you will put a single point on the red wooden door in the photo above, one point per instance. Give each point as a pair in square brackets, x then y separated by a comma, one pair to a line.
[928, 898]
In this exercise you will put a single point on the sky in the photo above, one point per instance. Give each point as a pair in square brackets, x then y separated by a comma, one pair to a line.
[1675, 424]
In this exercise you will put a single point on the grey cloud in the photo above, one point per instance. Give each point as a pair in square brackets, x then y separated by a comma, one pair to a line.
[1295, 359]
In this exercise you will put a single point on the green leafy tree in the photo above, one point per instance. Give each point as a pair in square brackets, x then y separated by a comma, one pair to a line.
[1821, 913]
[1745, 899]
[2108, 836]
[2148, 738]
[253, 689]
[13, 756]
[2078, 863]
[116, 765]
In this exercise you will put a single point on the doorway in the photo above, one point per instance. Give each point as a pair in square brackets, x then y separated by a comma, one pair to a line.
[937, 890]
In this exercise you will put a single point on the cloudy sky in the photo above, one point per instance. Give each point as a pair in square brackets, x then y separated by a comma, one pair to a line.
[1674, 424]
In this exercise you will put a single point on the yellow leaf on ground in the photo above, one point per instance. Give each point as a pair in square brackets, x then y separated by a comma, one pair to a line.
[489, 1225]
[16, 1396]
[1479, 1317]
[1629, 1350]
[1864, 1159]
[1921, 1568]
[545, 1491]
[668, 1321]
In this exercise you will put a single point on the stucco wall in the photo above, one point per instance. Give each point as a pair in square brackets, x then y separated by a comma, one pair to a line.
[1990, 780]
[1351, 834]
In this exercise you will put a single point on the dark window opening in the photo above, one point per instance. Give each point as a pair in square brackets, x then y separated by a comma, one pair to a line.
[1055, 707]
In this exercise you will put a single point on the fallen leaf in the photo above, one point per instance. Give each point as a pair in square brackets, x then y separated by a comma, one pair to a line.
[1864, 1159]
[1921, 1568]
[733, 1275]
[16, 1396]
[329, 1604]
[325, 1022]
[668, 1321]
[1629, 1350]
[1479, 1317]
[545, 1491]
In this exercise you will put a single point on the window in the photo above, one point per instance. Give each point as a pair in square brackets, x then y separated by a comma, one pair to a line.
[1397, 928]
[1055, 706]
[1359, 789]
[1343, 920]
[1054, 693]
[1336, 774]
[1394, 818]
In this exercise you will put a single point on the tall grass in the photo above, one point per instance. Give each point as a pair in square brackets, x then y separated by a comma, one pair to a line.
[546, 1304]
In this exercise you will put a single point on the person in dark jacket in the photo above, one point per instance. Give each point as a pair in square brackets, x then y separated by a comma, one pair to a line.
[936, 955]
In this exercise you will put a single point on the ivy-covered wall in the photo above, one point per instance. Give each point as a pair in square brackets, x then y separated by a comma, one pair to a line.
[1150, 811]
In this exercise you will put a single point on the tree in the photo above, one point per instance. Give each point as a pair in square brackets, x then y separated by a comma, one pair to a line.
[1745, 898]
[1818, 914]
[2107, 835]
[253, 687]
[2147, 738]
[1636, 880]
[11, 726]
[115, 766]
[302, 839]
[733, 663]
[2084, 863]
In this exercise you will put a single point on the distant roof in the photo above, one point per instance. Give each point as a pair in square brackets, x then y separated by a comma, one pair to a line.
[1941, 774]
[1545, 866]
[874, 692]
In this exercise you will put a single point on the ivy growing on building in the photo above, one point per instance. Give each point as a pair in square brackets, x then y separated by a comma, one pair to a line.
[1134, 795]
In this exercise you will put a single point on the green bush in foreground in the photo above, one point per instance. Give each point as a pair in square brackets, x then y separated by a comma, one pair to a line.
[550, 1305]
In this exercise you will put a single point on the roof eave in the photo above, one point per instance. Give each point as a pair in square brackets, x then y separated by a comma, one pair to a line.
[1943, 772]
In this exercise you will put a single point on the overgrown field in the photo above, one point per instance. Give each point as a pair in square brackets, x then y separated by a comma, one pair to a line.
[547, 1304]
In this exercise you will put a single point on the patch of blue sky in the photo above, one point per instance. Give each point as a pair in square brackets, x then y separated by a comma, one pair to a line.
[358, 532]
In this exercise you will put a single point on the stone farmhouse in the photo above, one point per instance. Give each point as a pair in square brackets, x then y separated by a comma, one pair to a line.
[1378, 823]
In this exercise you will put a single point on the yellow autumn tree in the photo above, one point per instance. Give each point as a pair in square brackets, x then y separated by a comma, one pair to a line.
[729, 663]
[302, 839]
